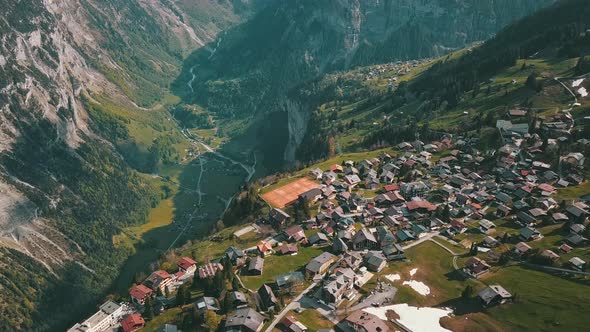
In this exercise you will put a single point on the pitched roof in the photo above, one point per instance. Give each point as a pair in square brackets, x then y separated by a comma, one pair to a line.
[315, 264]
[368, 321]
[139, 292]
[245, 317]
[256, 264]
[489, 293]
[186, 262]
[132, 322]
[363, 235]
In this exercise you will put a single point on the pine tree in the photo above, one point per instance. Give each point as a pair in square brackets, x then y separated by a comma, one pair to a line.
[148, 312]
[227, 268]
[467, 292]
[212, 320]
[218, 284]
[235, 284]
[180, 293]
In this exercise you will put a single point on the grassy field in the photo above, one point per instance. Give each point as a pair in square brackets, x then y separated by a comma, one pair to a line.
[574, 192]
[435, 269]
[312, 319]
[544, 302]
[276, 265]
[210, 249]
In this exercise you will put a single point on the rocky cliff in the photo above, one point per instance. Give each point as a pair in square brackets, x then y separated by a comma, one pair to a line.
[294, 41]
[64, 188]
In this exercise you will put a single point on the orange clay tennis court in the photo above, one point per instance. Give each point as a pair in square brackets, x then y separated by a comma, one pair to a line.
[289, 193]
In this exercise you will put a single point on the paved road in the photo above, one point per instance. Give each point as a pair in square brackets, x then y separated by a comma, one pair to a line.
[425, 238]
[383, 297]
[291, 306]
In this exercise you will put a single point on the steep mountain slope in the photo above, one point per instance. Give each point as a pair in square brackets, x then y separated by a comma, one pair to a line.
[294, 41]
[462, 93]
[72, 74]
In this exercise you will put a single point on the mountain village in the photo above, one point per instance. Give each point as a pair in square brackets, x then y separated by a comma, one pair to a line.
[334, 243]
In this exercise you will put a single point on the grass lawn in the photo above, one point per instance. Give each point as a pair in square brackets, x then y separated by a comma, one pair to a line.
[312, 319]
[574, 192]
[435, 269]
[209, 249]
[544, 302]
[276, 265]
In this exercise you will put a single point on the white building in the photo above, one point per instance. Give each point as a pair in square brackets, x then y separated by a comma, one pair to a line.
[108, 315]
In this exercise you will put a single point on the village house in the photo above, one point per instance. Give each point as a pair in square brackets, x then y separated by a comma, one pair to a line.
[206, 303]
[404, 235]
[244, 320]
[576, 240]
[140, 293]
[319, 265]
[318, 239]
[393, 252]
[296, 234]
[574, 159]
[290, 324]
[132, 323]
[364, 239]
[338, 284]
[490, 242]
[237, 299]
[577, 263]
[414, 189]
[352, 260]
[289, 249]
[360, 321]
[530, 234]
[476, 267]
[316, 174]
[486, 226]
[267, 299]
[577, 211]
[375, 261]
[494, 294]
[159, 280]
[264, 248]
[187, 265]
[311, 196]
[549, 254]
[236, 256]
[521, 248]
[577, 228]
[256, 266]
[278, 217]
[209, 270]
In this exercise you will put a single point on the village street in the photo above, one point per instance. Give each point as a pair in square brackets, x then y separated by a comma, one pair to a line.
[378, 297]
[291, 306]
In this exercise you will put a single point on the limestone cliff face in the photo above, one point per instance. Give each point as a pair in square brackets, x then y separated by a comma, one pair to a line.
[297, 117]
[291, 42]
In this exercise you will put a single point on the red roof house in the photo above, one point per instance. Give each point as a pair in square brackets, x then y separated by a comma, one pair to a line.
[185, 264]
[140, 293]
[419, 205]
[132, 323]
